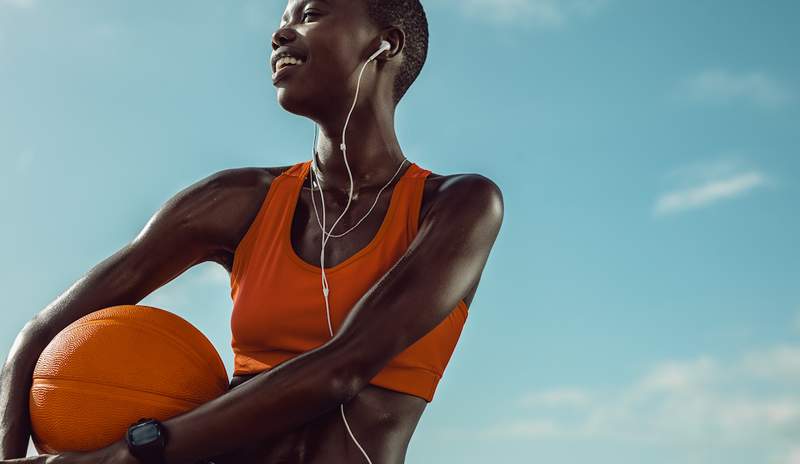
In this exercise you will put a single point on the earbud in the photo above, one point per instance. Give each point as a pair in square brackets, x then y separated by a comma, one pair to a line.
[385, 45]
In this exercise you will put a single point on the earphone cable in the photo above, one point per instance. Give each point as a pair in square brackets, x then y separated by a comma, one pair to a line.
[326, 235]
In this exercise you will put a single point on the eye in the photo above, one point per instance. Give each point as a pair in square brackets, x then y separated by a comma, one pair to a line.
[310, 13]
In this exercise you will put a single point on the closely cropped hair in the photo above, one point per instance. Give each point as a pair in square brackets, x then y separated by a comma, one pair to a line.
[409, 16]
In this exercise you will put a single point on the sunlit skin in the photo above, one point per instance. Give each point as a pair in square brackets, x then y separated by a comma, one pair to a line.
[290, 414]
[337, 37]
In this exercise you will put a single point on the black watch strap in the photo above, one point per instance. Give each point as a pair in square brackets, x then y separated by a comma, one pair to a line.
[146, 441]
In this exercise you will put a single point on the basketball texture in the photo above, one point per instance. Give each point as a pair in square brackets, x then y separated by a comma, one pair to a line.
[114, 366]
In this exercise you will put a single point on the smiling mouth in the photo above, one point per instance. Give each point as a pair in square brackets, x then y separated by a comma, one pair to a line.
[283, 70]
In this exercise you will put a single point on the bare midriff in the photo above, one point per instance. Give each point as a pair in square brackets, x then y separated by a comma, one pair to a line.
[382, 421]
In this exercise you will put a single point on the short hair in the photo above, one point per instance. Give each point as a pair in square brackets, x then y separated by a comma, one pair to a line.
[409, 16]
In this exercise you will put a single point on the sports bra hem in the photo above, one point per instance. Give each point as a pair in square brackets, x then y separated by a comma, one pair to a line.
[411, 380]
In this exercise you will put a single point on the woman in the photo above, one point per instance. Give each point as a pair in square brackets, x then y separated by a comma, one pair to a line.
[343, 385]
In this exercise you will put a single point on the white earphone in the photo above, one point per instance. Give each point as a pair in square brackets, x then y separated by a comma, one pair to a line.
[385, 45]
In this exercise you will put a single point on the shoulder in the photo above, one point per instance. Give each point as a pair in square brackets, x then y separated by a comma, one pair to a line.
[221, 206]
[461, 195]
[474, 185]
[242, 178]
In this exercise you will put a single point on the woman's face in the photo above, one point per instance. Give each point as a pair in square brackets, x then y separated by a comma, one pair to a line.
[333, 39]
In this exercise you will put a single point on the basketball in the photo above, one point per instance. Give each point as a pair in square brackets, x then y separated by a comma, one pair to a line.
[114, 366]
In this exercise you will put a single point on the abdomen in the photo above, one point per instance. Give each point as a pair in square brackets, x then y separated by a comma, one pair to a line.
[382, 421]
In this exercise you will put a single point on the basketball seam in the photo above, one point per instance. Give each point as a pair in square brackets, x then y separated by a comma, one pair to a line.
[177, 340]
[196, 357]
[114, 385]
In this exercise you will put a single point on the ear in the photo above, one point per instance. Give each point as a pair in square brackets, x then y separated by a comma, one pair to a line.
[397, 38]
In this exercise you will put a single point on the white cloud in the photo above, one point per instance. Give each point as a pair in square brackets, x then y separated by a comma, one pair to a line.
[708, 193]
[780, 363]
[685, 404]
[709, 169]
[702, 184]
[541, 13]
[793, 457]
[717, 85]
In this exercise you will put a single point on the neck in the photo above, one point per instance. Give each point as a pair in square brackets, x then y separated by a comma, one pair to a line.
[373, 152]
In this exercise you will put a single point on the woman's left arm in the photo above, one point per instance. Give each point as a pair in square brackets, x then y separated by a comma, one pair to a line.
[442, 263]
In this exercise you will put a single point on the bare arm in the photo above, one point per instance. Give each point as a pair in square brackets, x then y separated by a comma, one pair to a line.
[178, 236]
[452, 245]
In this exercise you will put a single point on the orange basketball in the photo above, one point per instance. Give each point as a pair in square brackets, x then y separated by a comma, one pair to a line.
[114, 366]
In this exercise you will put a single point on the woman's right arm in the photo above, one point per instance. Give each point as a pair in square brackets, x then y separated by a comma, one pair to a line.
[187, 230]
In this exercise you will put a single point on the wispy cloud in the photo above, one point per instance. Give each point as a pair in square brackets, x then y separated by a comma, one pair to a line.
[793, 457]
[541, 13]
[719, 85]
[773, 364]
[708, 193]
[751, 400]
[708, 183]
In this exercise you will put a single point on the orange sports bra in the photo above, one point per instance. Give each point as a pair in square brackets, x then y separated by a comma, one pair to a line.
[278, 305]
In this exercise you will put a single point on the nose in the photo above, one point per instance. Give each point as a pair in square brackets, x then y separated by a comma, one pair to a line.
[282, 36]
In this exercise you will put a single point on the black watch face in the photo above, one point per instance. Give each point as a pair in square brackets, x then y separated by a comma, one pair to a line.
[144, 434]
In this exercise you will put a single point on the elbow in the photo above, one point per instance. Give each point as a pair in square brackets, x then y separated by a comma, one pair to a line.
[345, 386]
[349, 368]
[27, 346]
[347, 374]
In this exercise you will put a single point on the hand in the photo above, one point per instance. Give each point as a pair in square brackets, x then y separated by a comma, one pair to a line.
[116, 453]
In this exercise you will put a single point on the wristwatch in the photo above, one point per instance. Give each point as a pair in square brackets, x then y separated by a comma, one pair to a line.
[146, 441]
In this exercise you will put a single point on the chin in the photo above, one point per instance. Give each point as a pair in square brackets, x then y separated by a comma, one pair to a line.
[304, 100]
[291, 101]
[297, 97]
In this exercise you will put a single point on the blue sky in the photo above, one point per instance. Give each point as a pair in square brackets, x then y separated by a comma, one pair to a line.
[642, 302]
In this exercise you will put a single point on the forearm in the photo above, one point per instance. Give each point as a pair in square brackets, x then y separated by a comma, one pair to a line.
[15, 386]
[270, 404]
[14, 415]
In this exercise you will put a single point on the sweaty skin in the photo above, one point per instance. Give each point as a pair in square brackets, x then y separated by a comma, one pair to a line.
[334, 38]
[381, 419]
[328, 36]
[290, 414]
